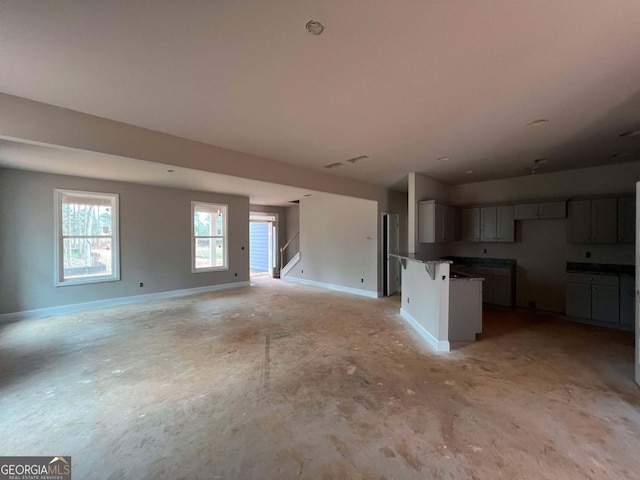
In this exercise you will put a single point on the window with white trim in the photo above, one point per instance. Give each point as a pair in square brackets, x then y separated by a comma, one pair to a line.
[208, 237]
[86, 237]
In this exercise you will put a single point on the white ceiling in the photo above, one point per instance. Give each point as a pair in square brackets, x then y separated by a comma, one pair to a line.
[403, 82]
[78, 163]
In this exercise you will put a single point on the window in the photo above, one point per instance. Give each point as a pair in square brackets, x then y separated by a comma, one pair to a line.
[209, 237]
[87, 242]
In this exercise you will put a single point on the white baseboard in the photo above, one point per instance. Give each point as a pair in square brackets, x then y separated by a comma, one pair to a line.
[438, 345]
[330, 286]
[111, 302]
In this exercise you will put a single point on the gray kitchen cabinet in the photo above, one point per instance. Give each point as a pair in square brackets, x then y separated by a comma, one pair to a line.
[627, 220]
[455, 223]
[579, 223]
[427, 222]
[437, 222]
[578, 300]
[593, 297]
[545, 210]
[549, 210]
[496, 224]
[497, 288]
[501, 294]
[605, 303]
[505, 226]
[604, 220]
[593, 221]
[488, 224]
[470, 224]
[487, 288]
[526, 211]
[627, 304]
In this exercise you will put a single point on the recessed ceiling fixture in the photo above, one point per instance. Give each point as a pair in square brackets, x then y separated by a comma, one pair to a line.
[314, 27]
[468, 172]
[540, 161]
[630, 133]
[533, 170]
[333, 165]
[308, 195]
[358, 159]
[619, 155]
[170, 171]
[537, 123]
[443, 159]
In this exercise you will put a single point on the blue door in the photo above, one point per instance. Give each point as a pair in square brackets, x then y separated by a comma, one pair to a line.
[259, 247]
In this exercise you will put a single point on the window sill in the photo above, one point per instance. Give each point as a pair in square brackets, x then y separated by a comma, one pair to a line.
[209, 269]
[86, 281]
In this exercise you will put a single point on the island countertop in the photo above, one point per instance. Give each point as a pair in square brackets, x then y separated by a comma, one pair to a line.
[415, 257]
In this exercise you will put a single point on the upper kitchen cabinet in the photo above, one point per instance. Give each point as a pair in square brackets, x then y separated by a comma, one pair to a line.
[497, 224]
[535, 211]
[526, 211]
[549, 210]
[593, 221]
[604, 220]
[626, 220]
[470, 224]
[438, 223]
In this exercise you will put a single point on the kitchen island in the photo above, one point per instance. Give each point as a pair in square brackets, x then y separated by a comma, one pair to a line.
[442, 307]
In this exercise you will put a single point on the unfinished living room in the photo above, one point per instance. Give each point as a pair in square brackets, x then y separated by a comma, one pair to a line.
[332, 240]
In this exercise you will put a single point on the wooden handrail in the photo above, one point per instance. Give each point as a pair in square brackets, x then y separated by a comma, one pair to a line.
[295, 235]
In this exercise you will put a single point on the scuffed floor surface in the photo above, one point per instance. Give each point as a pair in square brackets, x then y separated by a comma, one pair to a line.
[281, 381]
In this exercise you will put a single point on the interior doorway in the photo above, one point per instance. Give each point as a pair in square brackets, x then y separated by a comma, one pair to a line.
[390, 244]
[263, 244]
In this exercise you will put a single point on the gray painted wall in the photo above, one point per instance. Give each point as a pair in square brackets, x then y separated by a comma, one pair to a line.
[339, 242]
[155, 241]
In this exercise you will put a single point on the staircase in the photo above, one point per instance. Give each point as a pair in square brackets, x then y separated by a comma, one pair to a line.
[285, 269]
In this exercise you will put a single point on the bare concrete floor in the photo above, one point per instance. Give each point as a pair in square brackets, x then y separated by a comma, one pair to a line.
[286, 381]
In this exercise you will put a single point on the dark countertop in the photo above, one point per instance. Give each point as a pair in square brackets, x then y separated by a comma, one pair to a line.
[482, 261]
[601, 268]
[419, 258]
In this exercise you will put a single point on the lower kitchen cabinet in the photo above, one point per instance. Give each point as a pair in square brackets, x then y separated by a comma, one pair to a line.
[593, 297]
[627, 301]
[578, 300]
[605, 303]
[498, 287]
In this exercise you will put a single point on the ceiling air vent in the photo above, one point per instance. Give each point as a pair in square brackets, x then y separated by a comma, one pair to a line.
[358, 159]
[333, 165]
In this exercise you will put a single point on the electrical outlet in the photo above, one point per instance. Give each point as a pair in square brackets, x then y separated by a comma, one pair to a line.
[301, 271]
[408, 300]
[587, 255]
[362, 280]
[236, 274]
[485, 250]
[141, 284]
